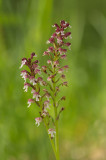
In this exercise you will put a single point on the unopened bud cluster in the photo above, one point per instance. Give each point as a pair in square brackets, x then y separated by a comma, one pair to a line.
[44, 92]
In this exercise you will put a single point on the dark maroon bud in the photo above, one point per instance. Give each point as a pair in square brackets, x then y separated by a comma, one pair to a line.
[28, 62]
[55, 25]
[66, 67]
[51, 40]
[54, 35]
[24, 59]
[62, 30]
[29, 59]
[63, 76]
[64, 84]
[67, 34]
[64, 50]
[62, 108]
[67, 44]
[63, 98]
[50, 49]
[67, 24]
[62, 22]
[35, 62]
[58, 30]
[63, 56]
[33, 55]
[34, 66]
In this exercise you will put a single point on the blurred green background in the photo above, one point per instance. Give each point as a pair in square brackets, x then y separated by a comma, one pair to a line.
[25, 26]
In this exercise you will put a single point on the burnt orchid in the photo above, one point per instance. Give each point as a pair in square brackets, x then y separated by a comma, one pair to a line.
[45, 82]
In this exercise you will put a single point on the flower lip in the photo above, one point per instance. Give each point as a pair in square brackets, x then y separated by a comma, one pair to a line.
[36, 95]
[46, 105]
[38, 120]
[51, 131]
[30, 101]
[32, 80]
[50, 49]
[33, 90]
[24, 74]
[49, 61]
[23, 62]
[26, 85]
[46, 53]
[44, 113]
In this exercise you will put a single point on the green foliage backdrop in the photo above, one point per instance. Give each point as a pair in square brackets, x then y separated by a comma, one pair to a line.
[25, 26]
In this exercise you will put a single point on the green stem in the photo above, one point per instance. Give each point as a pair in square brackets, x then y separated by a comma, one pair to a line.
[51, 140]
[56, 138]
[56, 120]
